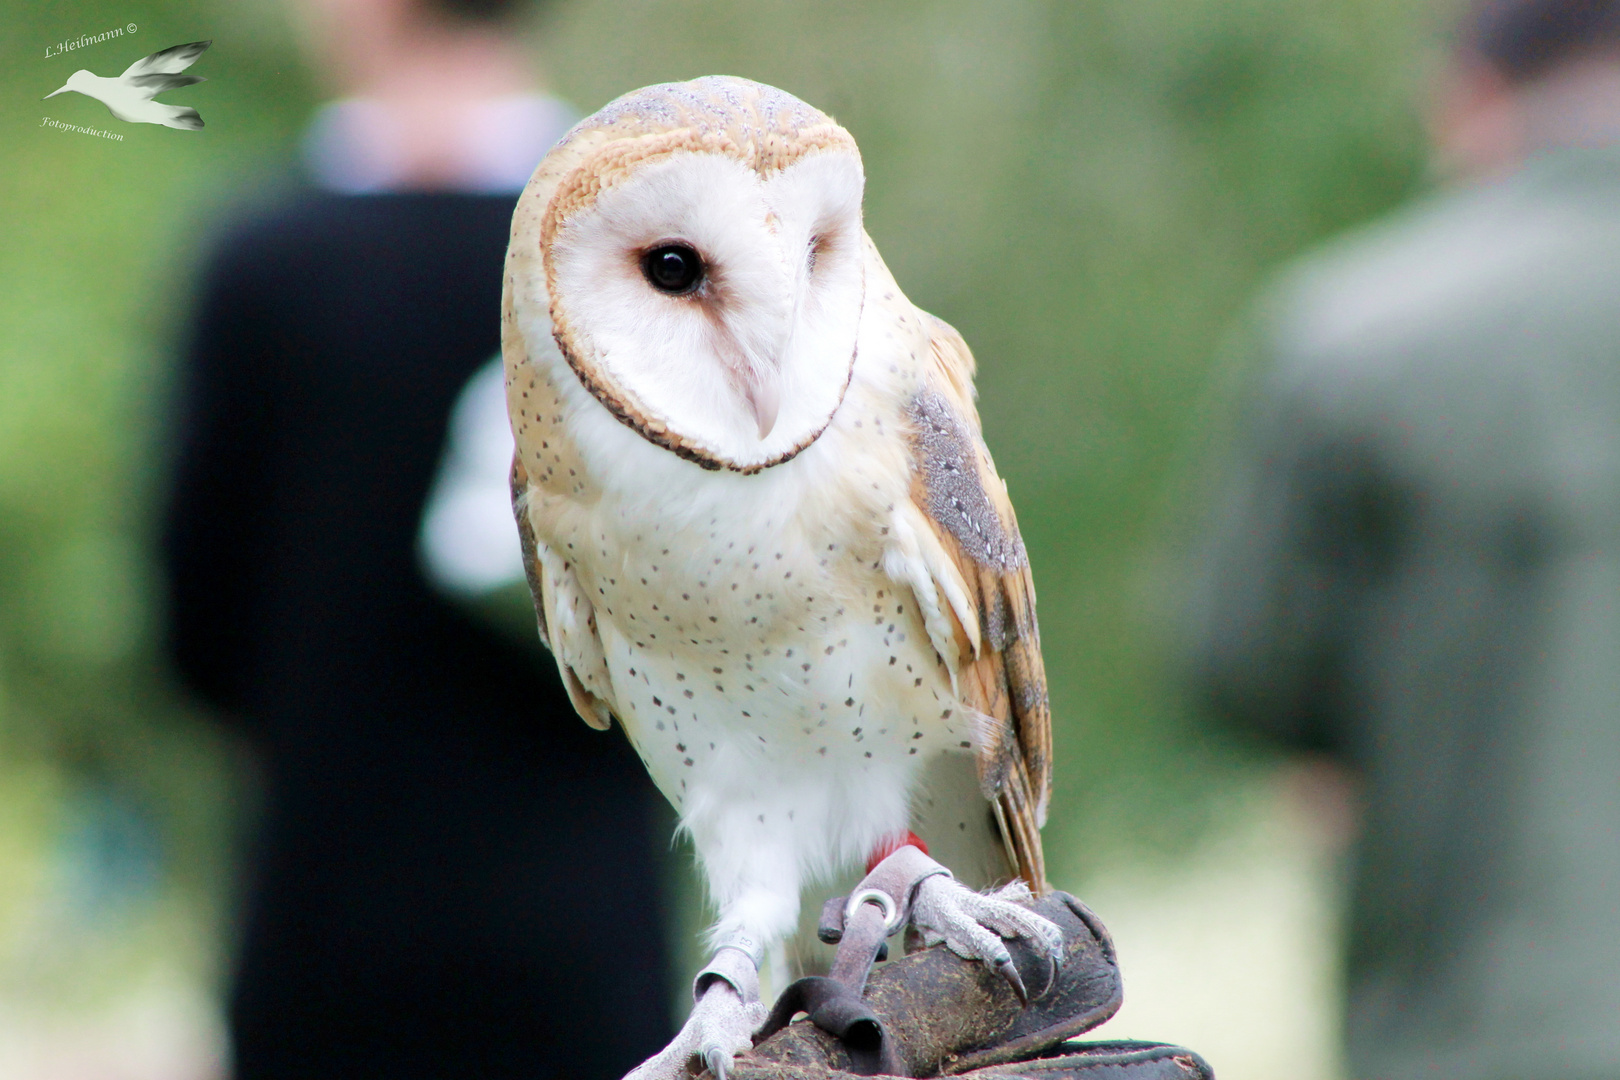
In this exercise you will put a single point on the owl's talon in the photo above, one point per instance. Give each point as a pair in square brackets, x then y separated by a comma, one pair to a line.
[721, 1026]
[718, 1061]
[973, 925]
[1009, 971]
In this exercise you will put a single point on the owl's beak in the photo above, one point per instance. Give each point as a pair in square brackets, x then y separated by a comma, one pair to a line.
[764, 399]
[755, 375]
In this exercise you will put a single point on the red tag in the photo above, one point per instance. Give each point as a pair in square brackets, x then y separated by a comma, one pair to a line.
[888, 847]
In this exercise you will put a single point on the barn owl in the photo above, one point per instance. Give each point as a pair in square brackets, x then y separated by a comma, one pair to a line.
[762, 529]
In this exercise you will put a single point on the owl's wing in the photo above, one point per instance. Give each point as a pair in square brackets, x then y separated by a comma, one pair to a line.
[562, 607]
[959, 548]
[566, 615]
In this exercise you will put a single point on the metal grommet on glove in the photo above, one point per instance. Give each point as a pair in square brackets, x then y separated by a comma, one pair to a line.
[891, 911]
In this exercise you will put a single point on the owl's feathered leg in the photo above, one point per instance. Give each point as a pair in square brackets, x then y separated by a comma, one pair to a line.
[756, 886]
[725, 1014]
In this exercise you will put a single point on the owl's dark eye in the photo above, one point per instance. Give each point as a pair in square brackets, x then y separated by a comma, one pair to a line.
[673, 268]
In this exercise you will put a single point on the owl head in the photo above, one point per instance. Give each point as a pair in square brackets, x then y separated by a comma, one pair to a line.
[700, 249]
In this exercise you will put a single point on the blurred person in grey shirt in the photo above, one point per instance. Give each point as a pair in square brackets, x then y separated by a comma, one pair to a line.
[1415, 570]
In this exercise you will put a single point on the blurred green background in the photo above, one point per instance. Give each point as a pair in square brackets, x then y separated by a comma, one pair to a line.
[1087, 189]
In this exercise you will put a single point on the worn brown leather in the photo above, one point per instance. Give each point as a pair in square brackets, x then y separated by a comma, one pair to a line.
[944, 1015]
[1105, 1061]
[1068, 1061]
[859, 924]
[934, 1013]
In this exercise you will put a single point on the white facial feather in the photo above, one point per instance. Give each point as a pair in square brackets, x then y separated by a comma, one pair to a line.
[751, 366]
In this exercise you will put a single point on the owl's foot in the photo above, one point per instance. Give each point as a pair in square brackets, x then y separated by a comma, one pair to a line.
[724, 1018]
[974, 925]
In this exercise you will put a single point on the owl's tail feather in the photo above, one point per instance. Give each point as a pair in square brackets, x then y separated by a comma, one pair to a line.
[1015, 817]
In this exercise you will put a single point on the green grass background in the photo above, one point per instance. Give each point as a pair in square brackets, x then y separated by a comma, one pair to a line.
[1087, 189]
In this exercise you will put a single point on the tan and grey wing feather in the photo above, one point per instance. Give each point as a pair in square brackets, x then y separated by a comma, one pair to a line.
[567, 623]
[566, 617]
[527, 543]
[998, 666]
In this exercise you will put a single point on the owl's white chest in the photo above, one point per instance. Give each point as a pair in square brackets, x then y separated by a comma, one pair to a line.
[780, 688]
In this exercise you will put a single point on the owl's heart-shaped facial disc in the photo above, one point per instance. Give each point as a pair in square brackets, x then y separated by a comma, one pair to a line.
[704, 269]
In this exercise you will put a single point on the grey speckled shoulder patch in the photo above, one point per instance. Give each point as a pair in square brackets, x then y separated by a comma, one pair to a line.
[950, 474]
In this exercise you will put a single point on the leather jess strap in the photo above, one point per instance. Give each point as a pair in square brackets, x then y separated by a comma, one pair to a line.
[860, 924]
[733, 963]
[888, 847]
[896, 878]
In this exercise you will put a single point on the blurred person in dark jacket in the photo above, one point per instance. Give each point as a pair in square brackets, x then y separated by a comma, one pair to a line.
[1417, 569]
[453, 876]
